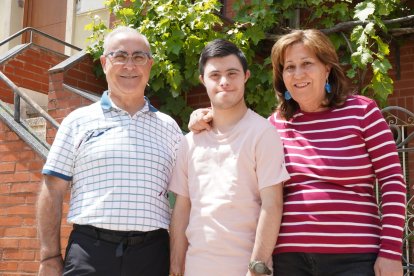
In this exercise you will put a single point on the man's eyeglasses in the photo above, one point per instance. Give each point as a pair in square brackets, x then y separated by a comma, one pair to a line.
[122, 57]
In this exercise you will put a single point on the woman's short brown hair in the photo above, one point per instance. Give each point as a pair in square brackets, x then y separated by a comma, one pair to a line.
[319, 44]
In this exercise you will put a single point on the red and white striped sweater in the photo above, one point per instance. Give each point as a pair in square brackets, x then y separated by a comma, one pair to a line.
[333, 158]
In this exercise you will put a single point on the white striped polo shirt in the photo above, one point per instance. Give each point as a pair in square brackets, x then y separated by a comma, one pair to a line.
[119, 165]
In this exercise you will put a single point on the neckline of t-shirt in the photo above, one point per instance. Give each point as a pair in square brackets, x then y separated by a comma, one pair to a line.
[235, 128]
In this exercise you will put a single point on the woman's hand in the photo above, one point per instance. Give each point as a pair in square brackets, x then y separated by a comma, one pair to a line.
[200, 120]
[387, 267]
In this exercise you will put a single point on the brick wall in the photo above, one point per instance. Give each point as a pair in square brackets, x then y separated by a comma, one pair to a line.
[404, 83]
[19, 182]
[29, 70]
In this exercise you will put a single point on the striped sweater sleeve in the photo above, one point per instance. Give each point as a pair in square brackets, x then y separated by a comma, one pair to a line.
[386, 164]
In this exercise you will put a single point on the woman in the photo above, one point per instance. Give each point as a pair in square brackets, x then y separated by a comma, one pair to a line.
[336, 146]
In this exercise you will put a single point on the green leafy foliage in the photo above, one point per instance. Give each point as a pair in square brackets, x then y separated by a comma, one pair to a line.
[371, 51]
[179, 29]
[362, 48]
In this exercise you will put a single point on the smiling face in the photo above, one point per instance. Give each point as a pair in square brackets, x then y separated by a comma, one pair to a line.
[225, 80]
[304, 76]
[126, 80]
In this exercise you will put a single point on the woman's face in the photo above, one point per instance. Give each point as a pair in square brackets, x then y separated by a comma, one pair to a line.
[305, 76]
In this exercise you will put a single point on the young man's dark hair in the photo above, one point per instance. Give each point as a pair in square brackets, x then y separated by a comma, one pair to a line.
[221, 48]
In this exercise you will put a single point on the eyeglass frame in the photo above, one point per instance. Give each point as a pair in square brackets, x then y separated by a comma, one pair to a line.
[129, 57]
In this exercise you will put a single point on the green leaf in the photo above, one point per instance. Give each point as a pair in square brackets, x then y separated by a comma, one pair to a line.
[370, 29]
[364, 10]
[381, 66]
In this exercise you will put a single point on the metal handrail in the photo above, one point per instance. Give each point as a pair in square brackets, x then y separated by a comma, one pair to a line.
[27, 29]
[20, 94]
[85, 94]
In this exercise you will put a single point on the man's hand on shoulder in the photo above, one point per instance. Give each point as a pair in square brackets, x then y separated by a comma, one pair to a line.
[200, 120]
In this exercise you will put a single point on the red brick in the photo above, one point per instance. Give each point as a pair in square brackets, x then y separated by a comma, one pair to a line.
[35, 165]
[7, 167]
[15, 199]
[8, 156]
[16, 177]
[10, 221]
[8, 266]
[15, 254]
[31, 199]
[15, 146]
[21, 166]
[26, 153]
[20, 210]
[28, 266]
[21, 231]
[9, 243]
[8, 70]
[25, 187]
[45, 65]
[12, 136]
[76, 74]
[36, 177]
[16, 64]
[29, 221]
[4, 189]
[31, 84]
[29, 243]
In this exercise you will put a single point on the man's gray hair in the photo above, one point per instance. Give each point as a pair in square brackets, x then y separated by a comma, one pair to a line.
[123, 29]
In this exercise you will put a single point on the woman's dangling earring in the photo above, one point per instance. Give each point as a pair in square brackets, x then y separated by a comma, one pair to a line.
[328, 87]
[287, 95]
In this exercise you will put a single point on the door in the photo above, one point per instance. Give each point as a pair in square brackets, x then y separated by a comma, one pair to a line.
[46, 16]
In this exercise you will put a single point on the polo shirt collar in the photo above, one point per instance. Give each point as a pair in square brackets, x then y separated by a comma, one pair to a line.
[107, 104]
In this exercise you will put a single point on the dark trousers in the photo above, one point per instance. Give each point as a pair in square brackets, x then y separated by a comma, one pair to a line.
[95, 251]
[311, 264]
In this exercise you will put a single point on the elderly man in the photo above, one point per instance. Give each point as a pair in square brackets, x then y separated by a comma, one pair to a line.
[116, 156]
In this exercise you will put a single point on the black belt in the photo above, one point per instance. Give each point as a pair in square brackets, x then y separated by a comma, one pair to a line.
[123, 238]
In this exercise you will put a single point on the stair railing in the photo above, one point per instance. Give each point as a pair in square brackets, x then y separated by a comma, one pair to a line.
[19, 94]
[31, 31]
[20, 127]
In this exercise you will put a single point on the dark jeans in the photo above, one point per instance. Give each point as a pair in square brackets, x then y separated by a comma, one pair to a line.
[310, 264]
[100, 253]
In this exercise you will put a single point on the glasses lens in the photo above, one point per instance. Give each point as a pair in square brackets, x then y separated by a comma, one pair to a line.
[120, 57]
[139, 58]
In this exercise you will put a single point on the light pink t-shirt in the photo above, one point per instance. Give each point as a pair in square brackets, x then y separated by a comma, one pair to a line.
[222, 175]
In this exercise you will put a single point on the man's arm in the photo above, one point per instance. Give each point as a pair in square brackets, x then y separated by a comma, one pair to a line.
[49, 215]
[269, 223]
[179, 242]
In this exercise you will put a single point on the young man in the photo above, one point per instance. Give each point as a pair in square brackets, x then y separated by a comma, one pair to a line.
[117, 157]
[228, 181]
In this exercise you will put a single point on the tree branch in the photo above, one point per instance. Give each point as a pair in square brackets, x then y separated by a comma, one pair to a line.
[344, 26]
[350, 24]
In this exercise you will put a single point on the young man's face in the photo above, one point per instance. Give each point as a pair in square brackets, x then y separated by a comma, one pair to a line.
[225, 80]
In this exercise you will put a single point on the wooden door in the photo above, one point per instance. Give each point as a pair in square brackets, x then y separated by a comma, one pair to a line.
[48, 16]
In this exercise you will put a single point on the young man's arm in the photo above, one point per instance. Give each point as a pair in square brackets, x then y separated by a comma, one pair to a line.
[49, 215]
[269, 223]
[179, 242]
